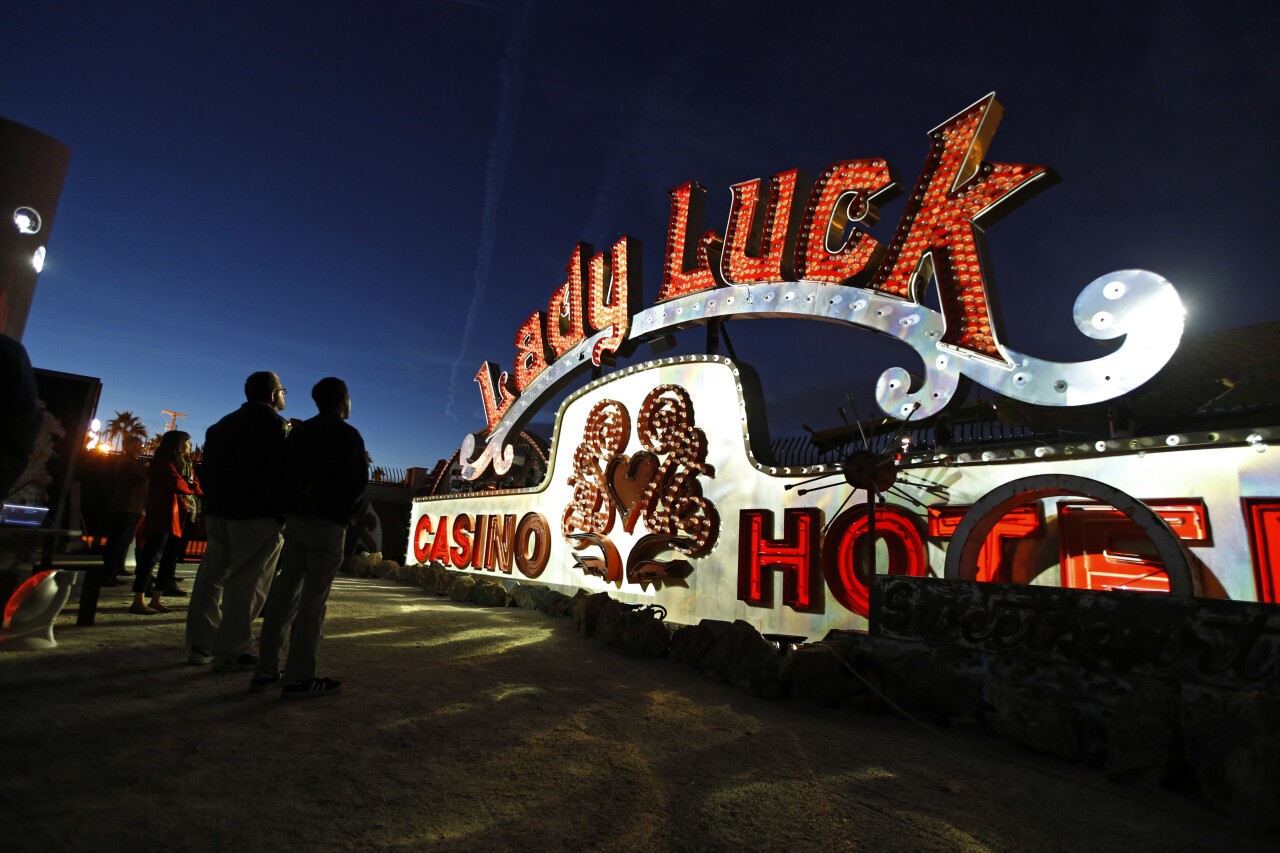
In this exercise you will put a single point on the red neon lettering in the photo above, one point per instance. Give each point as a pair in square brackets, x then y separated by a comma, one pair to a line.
[760, 244]
[691, 265]
[848, 576]
[566, 308]
[940, 235]
[613, 295]
[460, 555]
[422, 539]
[496, 391]
[1262, 517]
[531, 352]
[1024, 522]
[795, 555]
[1100, 548]
[846, 192]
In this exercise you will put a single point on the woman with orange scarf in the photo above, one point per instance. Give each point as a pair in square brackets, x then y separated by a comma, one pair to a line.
[171, 482]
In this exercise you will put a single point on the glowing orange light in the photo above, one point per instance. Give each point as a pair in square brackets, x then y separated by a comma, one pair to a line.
[842, 195]
[939, 234]
[607, 431]
[1101, 548]
[499, 539]
[497, 392]
[565, 311]
[613, 295]
[691, 265]
[531, 351]
[760, 244]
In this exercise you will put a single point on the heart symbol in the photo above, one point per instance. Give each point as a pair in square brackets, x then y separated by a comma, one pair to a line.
[627, 479]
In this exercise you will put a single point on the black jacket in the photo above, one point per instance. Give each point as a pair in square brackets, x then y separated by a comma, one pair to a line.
[325, 470]
[244, 464]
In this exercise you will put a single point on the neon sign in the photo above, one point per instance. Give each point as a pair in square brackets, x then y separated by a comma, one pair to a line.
[658, 490]
[798, 248]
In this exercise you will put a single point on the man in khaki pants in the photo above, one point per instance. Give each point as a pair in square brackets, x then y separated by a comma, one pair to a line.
[243, 514]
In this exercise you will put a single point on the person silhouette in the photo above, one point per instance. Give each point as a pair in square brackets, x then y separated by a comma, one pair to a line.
[243, 515]
[167, 487]
[325, 478]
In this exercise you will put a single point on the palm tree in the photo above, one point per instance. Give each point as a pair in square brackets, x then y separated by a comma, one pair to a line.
[125, 425]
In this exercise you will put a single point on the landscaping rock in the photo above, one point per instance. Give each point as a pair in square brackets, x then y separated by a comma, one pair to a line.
[586, 611]
[556, 604]
[690, 644]
[487, 593]
[1233, 743]
[745, 659]
[415, 575]
[437, 580]
[611, 622]
[462, 587]
[528, 596]
[1031, 716]
[1144, 737]
[818, 673]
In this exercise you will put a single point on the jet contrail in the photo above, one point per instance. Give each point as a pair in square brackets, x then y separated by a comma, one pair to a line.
[495, 174]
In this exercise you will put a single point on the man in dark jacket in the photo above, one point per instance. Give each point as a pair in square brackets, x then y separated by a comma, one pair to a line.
[243, 515]
[325, 478]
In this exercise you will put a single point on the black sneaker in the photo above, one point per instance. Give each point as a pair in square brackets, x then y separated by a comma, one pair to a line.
[199, 657]
[260, 682]
[174, 591]
[309, 688]
[245, 663]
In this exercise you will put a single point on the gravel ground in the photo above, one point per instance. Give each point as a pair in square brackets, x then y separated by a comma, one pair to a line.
[463, 728]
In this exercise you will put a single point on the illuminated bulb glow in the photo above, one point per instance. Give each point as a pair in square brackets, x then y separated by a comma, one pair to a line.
[37, 260]
[691, 265]
[531, 351]
[759, 247]
[841, 195]
[612, 297]
[565, 310]
[938, 235]
[497, 392]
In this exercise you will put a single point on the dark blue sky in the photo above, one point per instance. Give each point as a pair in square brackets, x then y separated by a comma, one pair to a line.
[385, 190]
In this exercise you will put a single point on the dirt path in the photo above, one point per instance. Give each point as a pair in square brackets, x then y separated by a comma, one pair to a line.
[463, 728]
